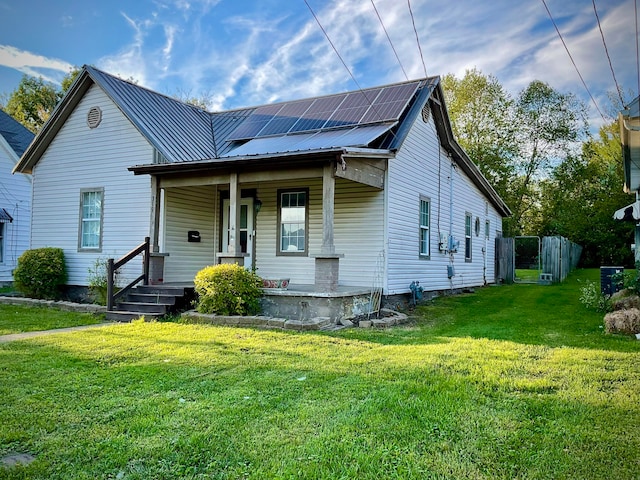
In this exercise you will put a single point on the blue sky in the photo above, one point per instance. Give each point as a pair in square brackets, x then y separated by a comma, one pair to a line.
[249, 52]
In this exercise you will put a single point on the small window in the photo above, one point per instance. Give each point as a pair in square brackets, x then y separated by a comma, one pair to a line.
[477, 227]
[91, 209]
[487, 228]
[467, 237]
[425, 247]
[293, 221]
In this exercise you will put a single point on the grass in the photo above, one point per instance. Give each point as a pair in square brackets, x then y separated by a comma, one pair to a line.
[19, 318]
[509, 382]
[527, 275]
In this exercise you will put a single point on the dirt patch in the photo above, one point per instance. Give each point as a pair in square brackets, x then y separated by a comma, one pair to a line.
[14, 459]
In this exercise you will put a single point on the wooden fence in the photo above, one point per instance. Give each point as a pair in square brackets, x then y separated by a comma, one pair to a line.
[505, 260]
[559, 257]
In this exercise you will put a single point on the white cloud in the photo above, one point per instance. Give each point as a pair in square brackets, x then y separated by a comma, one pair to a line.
[50, 69]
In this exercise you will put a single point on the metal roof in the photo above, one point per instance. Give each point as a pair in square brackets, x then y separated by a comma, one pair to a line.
[17, 135]
[328, 139]
[181, 132]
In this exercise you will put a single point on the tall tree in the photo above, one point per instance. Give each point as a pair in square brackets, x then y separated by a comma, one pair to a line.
[33, 100]
[580, 197]
[550, 125]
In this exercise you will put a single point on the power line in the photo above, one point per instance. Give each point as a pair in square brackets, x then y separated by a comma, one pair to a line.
[606, 50]
[413, 21]
[572, 61]
[390, 42]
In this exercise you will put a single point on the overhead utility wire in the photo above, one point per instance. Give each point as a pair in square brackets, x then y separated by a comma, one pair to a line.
[413, 21]
[572, 61]
[343, 62]
[390, 42]
[606, 50]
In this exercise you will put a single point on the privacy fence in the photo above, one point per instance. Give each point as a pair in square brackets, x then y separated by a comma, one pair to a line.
[558, 257]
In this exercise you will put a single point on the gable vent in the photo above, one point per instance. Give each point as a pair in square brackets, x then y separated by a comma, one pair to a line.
[426, 112]
[94, 117]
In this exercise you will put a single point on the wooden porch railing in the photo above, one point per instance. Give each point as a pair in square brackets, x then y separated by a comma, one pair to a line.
[112, 266]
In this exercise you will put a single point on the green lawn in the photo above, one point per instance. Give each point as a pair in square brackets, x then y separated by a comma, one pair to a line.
[510, 382]
[19, 318]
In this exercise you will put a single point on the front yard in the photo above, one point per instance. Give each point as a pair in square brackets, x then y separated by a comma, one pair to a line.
[509, 382]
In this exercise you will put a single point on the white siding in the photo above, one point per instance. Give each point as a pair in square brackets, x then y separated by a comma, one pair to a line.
[358, 234]
[80, 158]
[15, 198]
[192, 208]
[422, 167]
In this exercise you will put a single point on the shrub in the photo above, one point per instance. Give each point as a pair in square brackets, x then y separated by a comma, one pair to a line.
[41, 272]
[592, 298]
[98, 280]
[228, 289]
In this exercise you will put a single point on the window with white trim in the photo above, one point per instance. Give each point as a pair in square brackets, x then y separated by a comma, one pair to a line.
[487, 229]
[91, 211]
[293, 222]
[425, 230]
[467, 236]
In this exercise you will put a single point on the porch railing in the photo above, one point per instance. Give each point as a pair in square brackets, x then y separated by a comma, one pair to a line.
[112, 266]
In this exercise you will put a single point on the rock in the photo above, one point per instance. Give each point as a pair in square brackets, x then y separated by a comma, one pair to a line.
[345, 322]
[623, 321]
[364, 324]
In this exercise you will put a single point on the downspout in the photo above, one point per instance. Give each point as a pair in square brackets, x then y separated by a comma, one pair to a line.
[451, 270]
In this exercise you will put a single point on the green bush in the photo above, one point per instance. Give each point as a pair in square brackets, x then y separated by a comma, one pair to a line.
[228, 289]
[98, 280]
[40, 273]
[592, 297]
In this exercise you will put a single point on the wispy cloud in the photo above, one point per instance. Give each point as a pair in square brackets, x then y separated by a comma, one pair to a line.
[50, 69]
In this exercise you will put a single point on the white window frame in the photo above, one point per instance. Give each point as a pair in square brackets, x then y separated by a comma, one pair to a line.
[3, 231]
[84, 222]
[281, 222]
[468, 238]
[424, 228]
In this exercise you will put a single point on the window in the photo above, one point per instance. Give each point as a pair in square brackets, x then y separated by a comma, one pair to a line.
[487, 229]
[293, 221]
[90, 231]
[467, 237]
[425, 249]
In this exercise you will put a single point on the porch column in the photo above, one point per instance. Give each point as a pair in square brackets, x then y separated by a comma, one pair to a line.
[233, 253]
[327, 261]
[156, 259]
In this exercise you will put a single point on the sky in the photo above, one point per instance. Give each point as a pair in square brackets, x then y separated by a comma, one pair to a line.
[239, 53]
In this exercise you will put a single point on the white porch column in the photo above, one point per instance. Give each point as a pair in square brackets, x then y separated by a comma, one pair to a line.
[155, 214]
[233, 253]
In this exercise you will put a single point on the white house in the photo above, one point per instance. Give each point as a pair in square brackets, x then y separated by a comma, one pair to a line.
[15, 196]
[340, 191]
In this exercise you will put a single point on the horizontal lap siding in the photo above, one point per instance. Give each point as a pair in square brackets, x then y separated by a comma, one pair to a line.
[358, 232]
[80, 158]
[192, 208]
[422, 167]
[15, 198]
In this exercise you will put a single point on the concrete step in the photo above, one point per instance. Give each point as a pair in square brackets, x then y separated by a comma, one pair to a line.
[136, 297]
[143, 308]
[160, 289]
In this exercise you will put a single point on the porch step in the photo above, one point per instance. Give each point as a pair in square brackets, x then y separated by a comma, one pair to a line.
[124, 316]
[150, 301]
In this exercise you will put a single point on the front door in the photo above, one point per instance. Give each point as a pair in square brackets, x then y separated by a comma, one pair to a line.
[245, 229]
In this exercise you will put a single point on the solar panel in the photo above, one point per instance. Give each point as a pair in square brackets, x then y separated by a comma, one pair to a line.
[286, 117]
[251, 127]
[381, 104]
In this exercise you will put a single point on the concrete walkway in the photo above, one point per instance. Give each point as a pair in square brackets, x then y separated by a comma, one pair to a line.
[21, 336]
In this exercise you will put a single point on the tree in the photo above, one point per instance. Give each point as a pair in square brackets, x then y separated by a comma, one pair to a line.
[33, 100]
[580, 197]
[481, 116]
[549, 126]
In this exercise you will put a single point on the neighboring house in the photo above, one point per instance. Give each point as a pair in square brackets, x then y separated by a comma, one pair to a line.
[347, 190]
[15, 196]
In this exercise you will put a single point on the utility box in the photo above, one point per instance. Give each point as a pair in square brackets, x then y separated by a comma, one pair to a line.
[611, 280]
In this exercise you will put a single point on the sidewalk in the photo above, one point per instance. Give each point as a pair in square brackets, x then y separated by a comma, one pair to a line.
[20, 336]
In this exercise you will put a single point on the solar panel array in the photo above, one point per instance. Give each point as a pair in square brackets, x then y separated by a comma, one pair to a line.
[373, 105]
